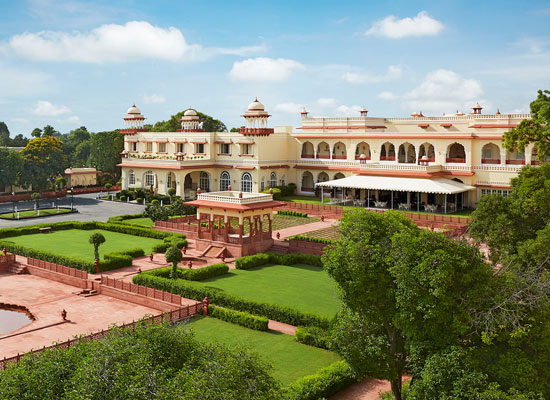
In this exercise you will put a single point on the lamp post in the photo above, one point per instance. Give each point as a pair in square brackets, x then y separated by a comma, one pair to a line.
[72, 198]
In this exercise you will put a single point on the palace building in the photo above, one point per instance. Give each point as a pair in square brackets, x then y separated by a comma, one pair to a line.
[438, 163]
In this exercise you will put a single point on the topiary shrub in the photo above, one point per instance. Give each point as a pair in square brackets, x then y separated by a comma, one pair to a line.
[139, 200]
[239, 318]
[313, 336]
[277, 195]
[160, 248]
[207, 272]
[155, 202]
[123, 198]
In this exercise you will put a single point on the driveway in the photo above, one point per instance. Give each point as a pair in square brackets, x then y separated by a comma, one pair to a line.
[89, 209]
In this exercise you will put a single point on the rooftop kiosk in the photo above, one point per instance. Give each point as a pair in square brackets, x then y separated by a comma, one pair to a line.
[235, 223]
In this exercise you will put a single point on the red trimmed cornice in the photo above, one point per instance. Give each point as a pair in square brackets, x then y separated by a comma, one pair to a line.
[343, 127]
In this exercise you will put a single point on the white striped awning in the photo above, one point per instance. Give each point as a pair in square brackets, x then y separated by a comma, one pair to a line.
[423, 185]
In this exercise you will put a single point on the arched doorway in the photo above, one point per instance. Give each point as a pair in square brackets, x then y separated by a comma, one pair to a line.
[307, 150]
[387, 152]
[456, 153]
[490, 154]
[307, 182]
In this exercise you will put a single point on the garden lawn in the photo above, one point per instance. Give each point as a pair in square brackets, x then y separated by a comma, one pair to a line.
[74, 242]
[331, 233]
[33, 213]
[148, 222]
[290, 359]
[304, 288]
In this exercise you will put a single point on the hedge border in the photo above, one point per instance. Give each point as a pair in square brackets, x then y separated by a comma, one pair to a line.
[259, 259]
[323, 384]
[199, 274]
[313, 239]
[239, 318]
[292, 213]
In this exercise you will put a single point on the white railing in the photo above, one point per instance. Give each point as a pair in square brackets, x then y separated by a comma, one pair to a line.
[233, 197]
[495, 167]
[370, 120]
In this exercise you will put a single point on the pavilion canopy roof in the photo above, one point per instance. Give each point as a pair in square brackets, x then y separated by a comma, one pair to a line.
[423, 185]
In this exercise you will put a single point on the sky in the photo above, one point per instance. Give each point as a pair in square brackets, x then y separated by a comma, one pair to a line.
[70, 63]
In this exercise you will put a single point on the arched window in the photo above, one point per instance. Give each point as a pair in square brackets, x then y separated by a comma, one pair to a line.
[273, 179]
[225, 181]
[322, 177]
[387, 152]
[307, 150]
[149, 179]
[132, 177]
[283, 180]
[262, 184]
[307, 182]
[490, 154]
[169, 180]
[204, 181]
[246, 182]
[456, 153]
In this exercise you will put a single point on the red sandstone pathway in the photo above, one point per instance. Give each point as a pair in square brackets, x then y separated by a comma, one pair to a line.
[45, 299]
[367, 389]
[301, 229]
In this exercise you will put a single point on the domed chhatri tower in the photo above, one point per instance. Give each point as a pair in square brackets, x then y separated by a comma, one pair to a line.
[133, 121]
[190, 122]
[256, 120]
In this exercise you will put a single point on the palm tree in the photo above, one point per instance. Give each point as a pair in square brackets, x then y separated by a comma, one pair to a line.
[173, 255]
[96, 239]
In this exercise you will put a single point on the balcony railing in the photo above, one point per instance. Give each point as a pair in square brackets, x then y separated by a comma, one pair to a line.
[340, 157]
[387, 158]
[256, 131]
[457, 160]
[515, 162]
[362, 158]
[324, 156]
[490, 161]
[308, 155]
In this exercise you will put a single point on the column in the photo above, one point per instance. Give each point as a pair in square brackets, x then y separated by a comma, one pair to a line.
[269, 216]
[227, 221]
[261, 222]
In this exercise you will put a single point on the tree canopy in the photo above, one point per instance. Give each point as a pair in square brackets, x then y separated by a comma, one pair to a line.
[535, 130]
[105, 149]
[209, 124]
[10, 166]
[150, 362]
[43, 159]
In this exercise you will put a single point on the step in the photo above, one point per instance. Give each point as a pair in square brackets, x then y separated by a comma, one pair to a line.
[17, 269]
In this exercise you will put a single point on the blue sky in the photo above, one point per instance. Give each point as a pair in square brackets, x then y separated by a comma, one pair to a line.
[72, 63]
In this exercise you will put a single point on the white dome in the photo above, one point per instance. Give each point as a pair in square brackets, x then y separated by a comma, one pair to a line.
[134, 110]
[256, 106]
[190, 112]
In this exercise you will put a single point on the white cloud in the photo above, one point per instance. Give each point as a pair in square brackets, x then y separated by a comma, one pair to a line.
[73, 118]
[326, 102]
[134, 40]
[386, 95]
[263, 69]
[391, 27]
[348, 111]
[393, 73]
[443, 91]
[289, 108]
[154, 99]
[47, 109]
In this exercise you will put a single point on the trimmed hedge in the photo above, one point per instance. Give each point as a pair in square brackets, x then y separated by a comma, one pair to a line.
[239, 318]
[119, 219]
[323, 384]
[219, 297]
[200, 274]
[277, 193]
[313, 239]
[175, 241]
[292, 213]
[256, 260]
[312, 336]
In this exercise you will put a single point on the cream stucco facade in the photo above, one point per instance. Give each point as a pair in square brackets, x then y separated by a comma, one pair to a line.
[463, 147]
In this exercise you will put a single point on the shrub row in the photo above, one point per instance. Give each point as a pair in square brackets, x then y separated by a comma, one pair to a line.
[323, 384]
[314, 239]
[207, 272]
[292, 213]
[175, 241]
[256, 260]
[239, 318]
[121, 218]
[160, 248]
[312, 336]
[219, 297]
[282, 191]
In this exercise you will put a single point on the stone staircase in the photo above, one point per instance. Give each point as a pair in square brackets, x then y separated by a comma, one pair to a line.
[17, 269]
[278, 248]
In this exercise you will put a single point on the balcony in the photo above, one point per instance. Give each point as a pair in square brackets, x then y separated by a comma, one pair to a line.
[387, 158]
[256, 131]
[190, 130]
[308, 156]
[340, 157]
[362, 158]
[132, 131]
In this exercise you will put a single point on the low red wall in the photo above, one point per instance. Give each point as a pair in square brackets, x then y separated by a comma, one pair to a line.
[314, 209]
[27, 196]
[6, 261]
[305, 246]
[95, 189]
[58, 277]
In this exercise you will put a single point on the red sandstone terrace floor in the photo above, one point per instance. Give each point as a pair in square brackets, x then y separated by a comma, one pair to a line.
[46, 299]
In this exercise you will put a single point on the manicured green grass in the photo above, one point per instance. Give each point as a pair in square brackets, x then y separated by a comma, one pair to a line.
[139, 221]
[290, 359]
[33, 213]
[331, 233]
[303, 287]
[74, 242]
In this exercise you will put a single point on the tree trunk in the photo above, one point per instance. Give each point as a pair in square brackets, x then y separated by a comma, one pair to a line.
[396, 385]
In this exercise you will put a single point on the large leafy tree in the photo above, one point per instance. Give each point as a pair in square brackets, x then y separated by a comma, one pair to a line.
[10, 165]
[209, 124]
[36, 133]
[407, 293]
[19, 141]
[43, 159]
[4, 134]
[105, 149]
[535, 130]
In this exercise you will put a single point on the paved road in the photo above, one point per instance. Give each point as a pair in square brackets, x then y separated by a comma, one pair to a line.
[89, 209]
